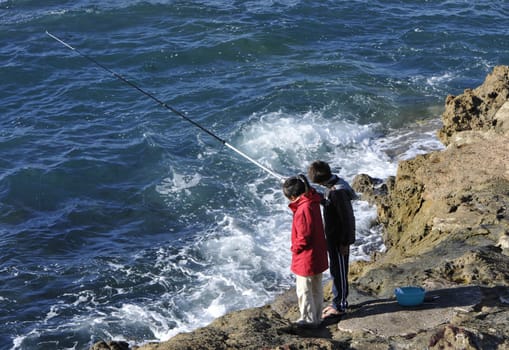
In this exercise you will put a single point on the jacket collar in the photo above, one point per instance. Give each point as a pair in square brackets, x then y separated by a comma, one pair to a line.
[310, 196]
[332, 181]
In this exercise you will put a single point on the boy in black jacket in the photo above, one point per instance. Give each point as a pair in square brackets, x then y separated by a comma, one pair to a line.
[339, 230]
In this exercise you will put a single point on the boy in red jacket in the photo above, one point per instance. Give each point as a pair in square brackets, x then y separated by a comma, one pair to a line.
[309, 249]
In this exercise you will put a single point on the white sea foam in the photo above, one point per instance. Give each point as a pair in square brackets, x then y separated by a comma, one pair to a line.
[178, 182]
[17, 341]
[294, 141]
[439, 79]
[409, 142]
[52, 313]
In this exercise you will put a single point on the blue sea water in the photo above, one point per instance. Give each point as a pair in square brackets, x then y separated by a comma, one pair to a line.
[120, 220]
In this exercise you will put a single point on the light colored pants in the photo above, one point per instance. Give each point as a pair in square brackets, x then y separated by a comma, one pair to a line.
[310, 296]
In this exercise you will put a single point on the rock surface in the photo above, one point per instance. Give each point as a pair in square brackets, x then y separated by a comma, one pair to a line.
[446, 220]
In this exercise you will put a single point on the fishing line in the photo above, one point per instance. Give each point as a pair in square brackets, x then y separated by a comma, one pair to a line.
[168, 107]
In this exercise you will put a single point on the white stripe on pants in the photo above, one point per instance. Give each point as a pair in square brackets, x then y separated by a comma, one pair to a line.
[310, 296]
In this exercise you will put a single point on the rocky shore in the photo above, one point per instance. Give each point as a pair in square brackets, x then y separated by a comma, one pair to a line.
[446, 220]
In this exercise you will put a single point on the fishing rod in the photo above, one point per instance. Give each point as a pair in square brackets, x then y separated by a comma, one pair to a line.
[168, 107]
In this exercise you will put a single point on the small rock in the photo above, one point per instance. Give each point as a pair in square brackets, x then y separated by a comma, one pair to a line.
[110, 345]
[453, 337]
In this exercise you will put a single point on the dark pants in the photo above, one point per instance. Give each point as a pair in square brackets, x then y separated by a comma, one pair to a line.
[339, 271]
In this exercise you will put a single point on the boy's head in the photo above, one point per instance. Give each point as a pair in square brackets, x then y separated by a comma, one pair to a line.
[319, 172]
[295, 186]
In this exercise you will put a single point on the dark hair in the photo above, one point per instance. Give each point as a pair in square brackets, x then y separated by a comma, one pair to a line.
[295, 186]
[319, 172]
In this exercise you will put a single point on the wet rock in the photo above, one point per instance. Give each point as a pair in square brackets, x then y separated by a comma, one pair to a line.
[452, 337]
[110, 345]
[476, 109]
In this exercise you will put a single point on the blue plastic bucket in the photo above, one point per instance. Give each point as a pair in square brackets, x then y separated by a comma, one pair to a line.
[409, 296]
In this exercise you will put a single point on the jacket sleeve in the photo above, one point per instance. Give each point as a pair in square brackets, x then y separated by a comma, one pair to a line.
[303, 225]
[344, 211]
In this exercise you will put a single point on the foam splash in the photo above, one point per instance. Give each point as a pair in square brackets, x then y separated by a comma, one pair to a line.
[439, 79]
[294, 141]
[407, 143]
[177, 183]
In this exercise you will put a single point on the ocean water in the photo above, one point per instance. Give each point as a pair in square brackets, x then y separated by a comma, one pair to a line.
[121, 220]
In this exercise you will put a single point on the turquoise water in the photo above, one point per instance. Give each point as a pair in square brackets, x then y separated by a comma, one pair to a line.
[120, 220]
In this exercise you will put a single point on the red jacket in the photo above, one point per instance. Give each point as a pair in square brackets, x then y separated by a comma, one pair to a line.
[309, 247]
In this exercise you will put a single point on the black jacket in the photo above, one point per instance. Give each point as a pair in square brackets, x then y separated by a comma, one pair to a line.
[338, 214]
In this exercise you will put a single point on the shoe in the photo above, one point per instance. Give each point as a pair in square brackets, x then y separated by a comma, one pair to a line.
[304, 325]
